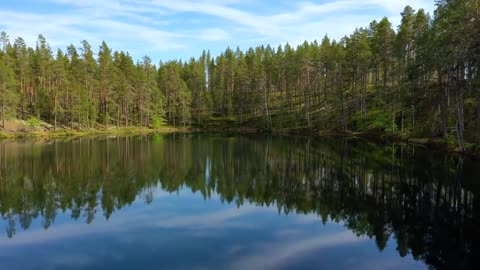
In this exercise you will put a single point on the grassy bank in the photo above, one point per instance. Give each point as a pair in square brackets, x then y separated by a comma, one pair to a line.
[61, 133]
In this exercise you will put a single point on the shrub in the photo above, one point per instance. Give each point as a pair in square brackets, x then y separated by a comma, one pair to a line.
[157, 122]
[33, 122]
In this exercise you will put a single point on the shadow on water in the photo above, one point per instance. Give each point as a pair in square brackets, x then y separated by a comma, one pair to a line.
[428, 201]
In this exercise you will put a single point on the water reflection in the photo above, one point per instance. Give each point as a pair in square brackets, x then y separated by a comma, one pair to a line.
[426, 202]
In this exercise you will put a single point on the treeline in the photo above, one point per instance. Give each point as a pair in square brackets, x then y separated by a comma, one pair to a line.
[421, 79]
[76, 89]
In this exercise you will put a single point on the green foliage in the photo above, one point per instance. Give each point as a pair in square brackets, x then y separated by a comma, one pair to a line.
[4, 135]
[157, 122]
[451, 140]
[33, 122]
[419, 81]
[377, 120]
[8, 95]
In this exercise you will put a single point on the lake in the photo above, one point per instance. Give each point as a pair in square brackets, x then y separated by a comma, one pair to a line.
[206, 201]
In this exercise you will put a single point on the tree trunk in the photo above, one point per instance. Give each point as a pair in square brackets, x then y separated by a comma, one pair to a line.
[148, 118]
[55, 121]
[125, 111]
[444, 107]
[460, 117]
[118, 117]
[141, 116]
[478, 119]
[413, 117]
[403, 119]
[265, 105]
[3, 104]
[306, 93]
[3, 114]
[344, 121]
[106, 115]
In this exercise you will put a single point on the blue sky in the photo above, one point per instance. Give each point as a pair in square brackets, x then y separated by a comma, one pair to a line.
[174, 29]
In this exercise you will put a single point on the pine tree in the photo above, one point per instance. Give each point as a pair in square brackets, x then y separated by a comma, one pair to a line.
[105, 71]
[87, 74]
[8, 96]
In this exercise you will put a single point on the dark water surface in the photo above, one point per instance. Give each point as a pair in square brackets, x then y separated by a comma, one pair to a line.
[204, 201]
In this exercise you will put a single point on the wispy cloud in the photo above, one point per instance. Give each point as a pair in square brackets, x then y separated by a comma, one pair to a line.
[213, 34]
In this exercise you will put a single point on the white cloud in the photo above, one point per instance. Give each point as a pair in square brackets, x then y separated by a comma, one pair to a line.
[172, 27]
[398, 5]
[297, 24]
[218, 10]
[213, 34]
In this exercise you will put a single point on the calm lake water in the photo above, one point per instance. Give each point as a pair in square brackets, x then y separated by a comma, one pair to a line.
[203, 201]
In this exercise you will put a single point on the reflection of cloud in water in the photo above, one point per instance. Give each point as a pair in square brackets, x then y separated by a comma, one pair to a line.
[158, 193]
[391, 263]
[223, 218]
[307, 219]
[60, 232]
[212, 219]
[62, 260]
[290, 234]
[272, 256]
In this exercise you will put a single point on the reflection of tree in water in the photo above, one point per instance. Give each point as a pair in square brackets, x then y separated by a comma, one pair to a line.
[425, 200]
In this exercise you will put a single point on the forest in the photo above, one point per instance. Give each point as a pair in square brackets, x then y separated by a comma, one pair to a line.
[419, 79]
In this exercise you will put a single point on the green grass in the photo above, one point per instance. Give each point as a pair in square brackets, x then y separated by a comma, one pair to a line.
[61, 133]
[4, 135]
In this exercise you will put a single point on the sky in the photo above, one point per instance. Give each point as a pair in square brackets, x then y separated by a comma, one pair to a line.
[181, 29]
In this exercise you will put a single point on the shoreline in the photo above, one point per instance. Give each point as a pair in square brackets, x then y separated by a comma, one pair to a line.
[68, 133]
[431, 143]
[439, 144]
